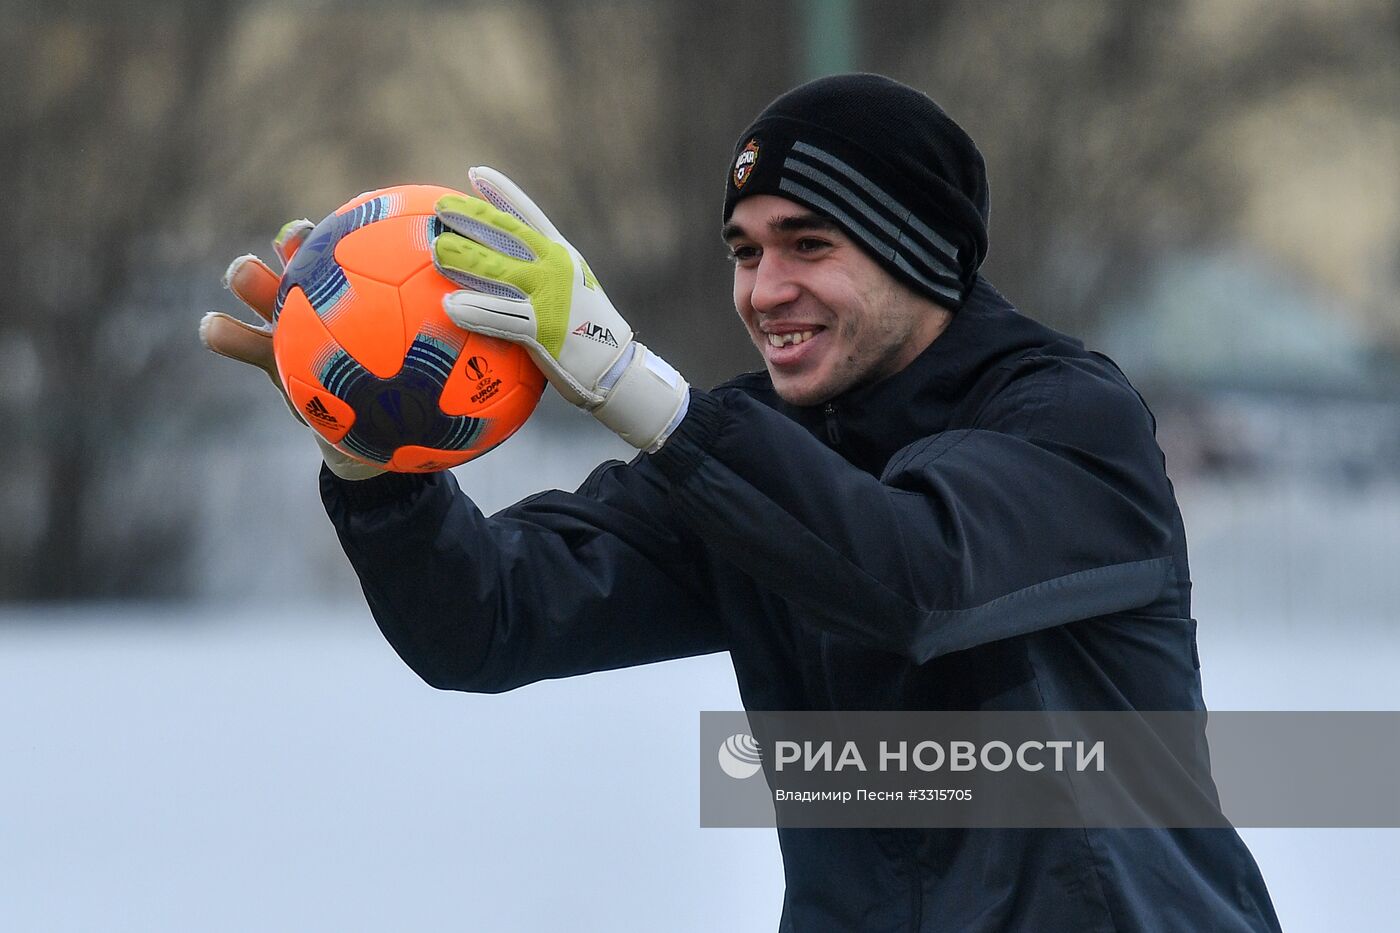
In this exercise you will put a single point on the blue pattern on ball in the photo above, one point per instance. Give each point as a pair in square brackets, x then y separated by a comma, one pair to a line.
[314, 270]
[403, 409]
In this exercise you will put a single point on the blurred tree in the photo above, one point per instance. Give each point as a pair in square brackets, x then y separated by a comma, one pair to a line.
[101, 116]
[722, 63]
[141, 151]
[1110, 128]
[144, 150]
[617, 117]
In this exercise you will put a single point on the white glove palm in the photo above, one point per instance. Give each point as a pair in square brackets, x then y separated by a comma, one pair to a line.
[523, 282]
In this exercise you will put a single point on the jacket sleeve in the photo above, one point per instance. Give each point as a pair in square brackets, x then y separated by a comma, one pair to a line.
[556, 585]
[1048, 511]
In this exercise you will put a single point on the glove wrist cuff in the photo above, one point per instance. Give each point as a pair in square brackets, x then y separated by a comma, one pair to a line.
[646, 400]
[375, 491]
[347, 468]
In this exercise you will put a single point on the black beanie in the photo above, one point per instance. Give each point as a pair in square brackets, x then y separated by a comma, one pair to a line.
[886, 164]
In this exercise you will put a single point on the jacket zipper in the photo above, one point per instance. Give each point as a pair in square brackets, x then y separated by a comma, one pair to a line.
[833, 428]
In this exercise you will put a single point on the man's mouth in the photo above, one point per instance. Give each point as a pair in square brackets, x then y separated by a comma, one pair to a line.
[790, 338]
[789, 345]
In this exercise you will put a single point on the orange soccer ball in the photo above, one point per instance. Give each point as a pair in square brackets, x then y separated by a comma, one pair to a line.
[370, 359]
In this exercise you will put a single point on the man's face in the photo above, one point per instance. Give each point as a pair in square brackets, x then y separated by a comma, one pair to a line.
[824, 315]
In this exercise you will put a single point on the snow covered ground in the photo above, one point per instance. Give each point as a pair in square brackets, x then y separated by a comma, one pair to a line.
[282, 770]
[277, 768]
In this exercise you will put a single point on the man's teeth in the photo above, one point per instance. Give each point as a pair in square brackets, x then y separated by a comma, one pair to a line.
[789, 339]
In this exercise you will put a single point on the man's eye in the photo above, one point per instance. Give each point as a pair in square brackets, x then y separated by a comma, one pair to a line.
[811, 245]
[743, 254]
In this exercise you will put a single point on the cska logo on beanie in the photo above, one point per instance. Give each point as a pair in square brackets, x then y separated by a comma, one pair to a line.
[743, 165]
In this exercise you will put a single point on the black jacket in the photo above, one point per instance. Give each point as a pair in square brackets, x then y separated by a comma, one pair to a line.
[991, 528]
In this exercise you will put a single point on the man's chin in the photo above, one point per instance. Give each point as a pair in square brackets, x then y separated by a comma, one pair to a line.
[800, 391]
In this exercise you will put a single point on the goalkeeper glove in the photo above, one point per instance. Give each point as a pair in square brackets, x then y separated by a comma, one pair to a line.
[523, 282]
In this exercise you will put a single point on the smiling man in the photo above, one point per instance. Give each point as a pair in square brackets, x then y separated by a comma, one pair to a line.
[924, 501]
[822, 312]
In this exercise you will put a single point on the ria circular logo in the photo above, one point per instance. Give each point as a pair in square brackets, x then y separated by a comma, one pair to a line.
[740, 756]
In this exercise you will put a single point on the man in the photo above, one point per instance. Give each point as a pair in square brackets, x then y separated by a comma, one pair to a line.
[926, 501]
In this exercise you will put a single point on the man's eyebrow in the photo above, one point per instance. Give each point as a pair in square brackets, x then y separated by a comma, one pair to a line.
[798, 223]
[787, 223]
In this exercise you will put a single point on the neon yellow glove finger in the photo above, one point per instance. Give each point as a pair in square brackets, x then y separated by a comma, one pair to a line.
[457, 254]
[501, 231]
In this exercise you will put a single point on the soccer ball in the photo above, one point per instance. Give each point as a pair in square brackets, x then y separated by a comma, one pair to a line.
[370, 359]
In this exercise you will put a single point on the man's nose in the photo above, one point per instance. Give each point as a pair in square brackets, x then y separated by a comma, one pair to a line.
[773, 286]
